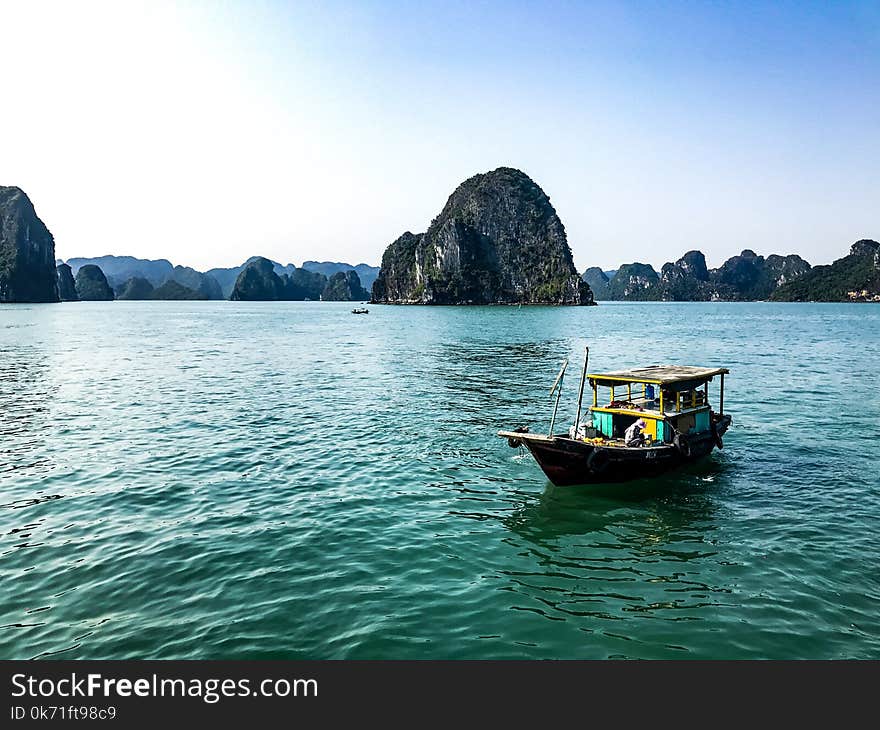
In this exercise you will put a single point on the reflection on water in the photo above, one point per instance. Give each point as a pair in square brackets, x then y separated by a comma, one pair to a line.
[596, 556]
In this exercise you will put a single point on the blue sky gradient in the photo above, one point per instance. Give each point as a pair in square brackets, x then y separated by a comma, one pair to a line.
[211, 132]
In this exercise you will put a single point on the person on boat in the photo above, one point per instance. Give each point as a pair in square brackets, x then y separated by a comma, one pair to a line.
[635, 434]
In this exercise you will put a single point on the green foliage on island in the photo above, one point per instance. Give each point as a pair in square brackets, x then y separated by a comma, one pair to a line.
[259, 281]
[92, 286]
[598, 282]
[27, 251]
[746, 277]
[636, 281]
[302, 285]
[366, 273]
[497, 240]
[344, 286]
[855, 277]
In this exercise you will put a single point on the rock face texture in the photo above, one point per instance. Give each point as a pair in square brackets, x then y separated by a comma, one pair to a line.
[304, 285]
[635, 281]
[366, 273]
[297, 284]
[597, 280]
[344, 286]
[783, 269]
[135, 288]
[66, 284]
[497, 240]
[854, 278]
[686, 280]
[226, 278]
[27, 251]
[92, 286]
[258, 282]
[747, 277]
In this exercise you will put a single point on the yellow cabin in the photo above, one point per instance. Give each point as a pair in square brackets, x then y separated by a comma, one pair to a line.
[670, 398]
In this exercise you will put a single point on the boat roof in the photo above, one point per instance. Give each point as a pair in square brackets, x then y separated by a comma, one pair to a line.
[659, 374]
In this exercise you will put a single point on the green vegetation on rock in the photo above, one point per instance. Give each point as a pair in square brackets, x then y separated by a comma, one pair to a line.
[92, 286]
[344, 286]
[497, 240]
[259, 281]
[855, 277]
[746, 277]
[598, 282]
[27, 251]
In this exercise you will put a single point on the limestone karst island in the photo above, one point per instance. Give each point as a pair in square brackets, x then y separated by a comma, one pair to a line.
[497, 240]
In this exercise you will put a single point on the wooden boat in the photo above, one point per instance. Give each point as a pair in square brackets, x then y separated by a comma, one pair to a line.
[360, 310]
[673, 400]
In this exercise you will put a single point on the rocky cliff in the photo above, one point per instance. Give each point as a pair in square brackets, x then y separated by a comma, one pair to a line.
[27, 251]
[344, 286]
[497, 240]
[635, 281]
[258, 282]
[92, 286]
[66, 284]
[366, 273]
[597, 280]
[135, 288]
[747, 277]
[304, 285]
[172, 289]
[685, 280]
[854, 278]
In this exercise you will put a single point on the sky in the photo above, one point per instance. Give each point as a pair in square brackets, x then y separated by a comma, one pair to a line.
[208, 132]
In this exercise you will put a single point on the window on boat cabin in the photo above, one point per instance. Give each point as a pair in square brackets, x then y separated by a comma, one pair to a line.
[685, 423]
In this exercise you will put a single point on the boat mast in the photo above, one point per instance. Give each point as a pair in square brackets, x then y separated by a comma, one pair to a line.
[577, 418]
[557, 386]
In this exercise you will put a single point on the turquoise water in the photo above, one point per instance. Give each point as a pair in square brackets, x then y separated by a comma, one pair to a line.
[286, 480]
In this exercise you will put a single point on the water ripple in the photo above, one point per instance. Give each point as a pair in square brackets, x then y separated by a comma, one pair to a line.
[282, 480]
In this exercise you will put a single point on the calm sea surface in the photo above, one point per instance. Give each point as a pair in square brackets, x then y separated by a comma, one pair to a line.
[286, 480]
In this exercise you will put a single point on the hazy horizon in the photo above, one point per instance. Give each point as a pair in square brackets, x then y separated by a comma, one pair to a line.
[206, 133]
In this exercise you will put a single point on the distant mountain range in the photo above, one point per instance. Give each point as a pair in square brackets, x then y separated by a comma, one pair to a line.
[307, 281]
[366, 273]
[747, 277]
[459, 259]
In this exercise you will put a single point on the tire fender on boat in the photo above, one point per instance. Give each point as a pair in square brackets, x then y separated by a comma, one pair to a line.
[598, 460]
[683, 444]
[716, 437]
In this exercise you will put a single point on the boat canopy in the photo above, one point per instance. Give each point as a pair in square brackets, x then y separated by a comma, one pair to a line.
[662, 375]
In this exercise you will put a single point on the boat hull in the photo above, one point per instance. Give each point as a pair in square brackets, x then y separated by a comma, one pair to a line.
[568, 462]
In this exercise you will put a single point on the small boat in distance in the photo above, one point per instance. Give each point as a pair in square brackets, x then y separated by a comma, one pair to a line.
[360, 310]
[672, 401]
